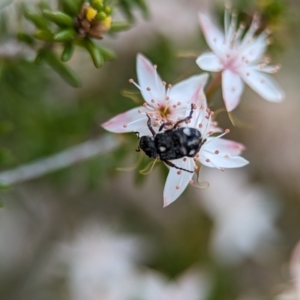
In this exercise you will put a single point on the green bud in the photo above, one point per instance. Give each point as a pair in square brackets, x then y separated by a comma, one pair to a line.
[95, 53]
[101, 16]
[108, 10]
[98, 5]
[59, 18]
[44, 35]
[118, 26]
[68, 52]
[65, 35]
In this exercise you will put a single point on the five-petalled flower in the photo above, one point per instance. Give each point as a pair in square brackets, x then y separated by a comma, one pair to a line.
[239, 56]
[163, 102]
[170, 105]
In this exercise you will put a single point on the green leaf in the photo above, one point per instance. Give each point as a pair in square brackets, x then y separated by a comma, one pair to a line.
[107, 53]
[118, 26]
[26, 38]
[142, 5]
[59, 18]
[71, 6]
[65, 35]
[44, 35]
[62, 69]
[68, 52]
[126, 9]
[95, 53]
[35, 18]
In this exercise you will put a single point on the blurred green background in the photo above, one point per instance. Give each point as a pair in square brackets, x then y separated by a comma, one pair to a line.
[242, 251]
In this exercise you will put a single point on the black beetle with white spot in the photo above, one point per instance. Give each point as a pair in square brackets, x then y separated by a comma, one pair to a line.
[173, 143]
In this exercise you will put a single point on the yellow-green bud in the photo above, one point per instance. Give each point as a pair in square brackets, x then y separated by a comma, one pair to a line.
[101, 16]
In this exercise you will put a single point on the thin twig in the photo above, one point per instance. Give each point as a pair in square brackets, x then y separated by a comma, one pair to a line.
[58, 161]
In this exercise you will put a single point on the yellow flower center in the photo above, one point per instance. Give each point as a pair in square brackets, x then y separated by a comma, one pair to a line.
[90, 14]
[164, 112]
[107, 22]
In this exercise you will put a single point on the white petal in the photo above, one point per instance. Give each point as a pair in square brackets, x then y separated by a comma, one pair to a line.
[256, 48]
[176, 183]
[213, 35]
[128, 121]
[209, 62]
[148, 78]
[232, 88]
[188, 91]
[264, 85]
[221, 153]
[218, 161]
[223, 146]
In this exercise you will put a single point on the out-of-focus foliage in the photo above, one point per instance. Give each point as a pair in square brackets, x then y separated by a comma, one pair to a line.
[45, 245]
[69, 25]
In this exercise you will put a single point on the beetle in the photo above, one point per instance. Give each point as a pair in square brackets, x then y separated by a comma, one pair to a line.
[173, 143]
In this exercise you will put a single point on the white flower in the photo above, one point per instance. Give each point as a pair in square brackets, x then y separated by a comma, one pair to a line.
[214, 153]
[162, 102]
[243, 214]
[100, 263]
[172, 105]
[191, 284]
[239, 57]
[295, 269]
[292, 290]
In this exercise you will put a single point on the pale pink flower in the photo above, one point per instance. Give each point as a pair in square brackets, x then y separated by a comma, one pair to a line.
[171, 105]
[292, 291]
[214, 153]
[162, 102]
[295, 269]
[239, 56]
[244, 217]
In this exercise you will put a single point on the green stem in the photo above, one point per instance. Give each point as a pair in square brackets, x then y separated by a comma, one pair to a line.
[212, 87]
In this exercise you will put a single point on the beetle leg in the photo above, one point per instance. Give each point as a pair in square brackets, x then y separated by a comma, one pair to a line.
[170, 164]
[150, 126]
[202, 142]
[187, 118]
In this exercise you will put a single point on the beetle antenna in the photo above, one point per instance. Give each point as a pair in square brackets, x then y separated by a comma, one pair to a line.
[148, 169]
[136, 164]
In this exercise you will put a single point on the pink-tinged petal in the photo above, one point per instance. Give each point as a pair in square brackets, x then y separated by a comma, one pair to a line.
[295, 266]
[177, 180]
[220, 161]
[232, 89]
[188, 91]
[128, 121]
[224, 146]
[148, 78]
[209, 62]
[264, 85]
[213, 35]
[256, 48]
